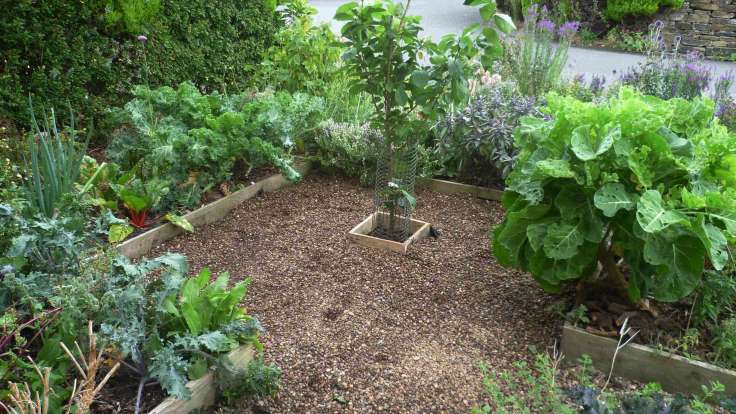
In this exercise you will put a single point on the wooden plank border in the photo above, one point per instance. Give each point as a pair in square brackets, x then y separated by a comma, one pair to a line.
[359, 234]
[451, 187]
[676, 374]
[210, 213]
[204, 391]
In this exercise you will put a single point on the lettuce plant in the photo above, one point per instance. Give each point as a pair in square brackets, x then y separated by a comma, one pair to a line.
[626, 192]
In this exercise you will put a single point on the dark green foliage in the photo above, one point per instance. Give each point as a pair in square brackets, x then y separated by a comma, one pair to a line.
[64, 52]
[617, 10]
[192, 141]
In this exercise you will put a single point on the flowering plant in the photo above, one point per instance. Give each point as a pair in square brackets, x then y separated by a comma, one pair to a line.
[534, 60]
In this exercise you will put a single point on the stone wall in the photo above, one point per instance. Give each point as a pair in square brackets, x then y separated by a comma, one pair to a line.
[705, 25]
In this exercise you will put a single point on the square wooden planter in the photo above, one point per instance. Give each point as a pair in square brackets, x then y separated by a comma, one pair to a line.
[360, 234]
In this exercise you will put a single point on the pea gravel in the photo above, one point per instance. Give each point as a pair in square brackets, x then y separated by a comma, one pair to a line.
[360, 330]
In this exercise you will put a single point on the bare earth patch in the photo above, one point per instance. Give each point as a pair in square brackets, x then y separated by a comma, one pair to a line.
[357, 329]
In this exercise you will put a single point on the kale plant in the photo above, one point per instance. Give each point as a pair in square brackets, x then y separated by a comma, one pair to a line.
[626, 193]
[478, 141]
[192, 141]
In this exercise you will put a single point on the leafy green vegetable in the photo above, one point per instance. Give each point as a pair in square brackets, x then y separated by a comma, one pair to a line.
[626, 190]
[180, 221]
[192, 142]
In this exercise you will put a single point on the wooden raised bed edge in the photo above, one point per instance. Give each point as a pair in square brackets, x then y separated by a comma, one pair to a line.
[142, 244]
[204, 391]
[676, 374]
[451, 187]
[359, 234]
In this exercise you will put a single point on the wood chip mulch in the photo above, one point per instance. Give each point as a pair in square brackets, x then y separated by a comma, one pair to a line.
[360, 330]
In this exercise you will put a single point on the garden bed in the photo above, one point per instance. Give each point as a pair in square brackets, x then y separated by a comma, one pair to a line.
[366, 329]
[451, 187]
[142, 244]
[636, 362]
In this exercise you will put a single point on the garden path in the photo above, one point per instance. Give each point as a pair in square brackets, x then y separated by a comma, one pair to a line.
[360, 330]
[440, 17]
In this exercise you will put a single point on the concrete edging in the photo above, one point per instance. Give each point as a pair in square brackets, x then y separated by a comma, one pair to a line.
[210, 213]
[676, 374]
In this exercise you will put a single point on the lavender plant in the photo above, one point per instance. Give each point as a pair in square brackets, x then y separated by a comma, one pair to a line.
[725, 103]
[669, 74]
[533, 59]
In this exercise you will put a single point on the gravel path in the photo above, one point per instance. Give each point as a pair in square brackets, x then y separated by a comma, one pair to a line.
[359, 330]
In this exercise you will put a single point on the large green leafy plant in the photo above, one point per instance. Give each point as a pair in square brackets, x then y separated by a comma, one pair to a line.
[626, 193]
[173, 328]
[193, 140]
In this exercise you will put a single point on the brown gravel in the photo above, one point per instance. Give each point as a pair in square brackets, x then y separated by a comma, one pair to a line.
[357, 329]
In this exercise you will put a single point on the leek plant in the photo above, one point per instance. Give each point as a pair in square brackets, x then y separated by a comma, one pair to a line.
[54, 159]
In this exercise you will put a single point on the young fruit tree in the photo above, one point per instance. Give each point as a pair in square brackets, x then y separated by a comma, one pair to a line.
[409, 79]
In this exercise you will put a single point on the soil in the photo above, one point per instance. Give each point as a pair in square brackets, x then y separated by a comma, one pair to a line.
[357, 329]
[119, 395]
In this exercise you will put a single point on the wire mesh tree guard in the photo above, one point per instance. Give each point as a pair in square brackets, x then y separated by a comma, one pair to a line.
[395, 177]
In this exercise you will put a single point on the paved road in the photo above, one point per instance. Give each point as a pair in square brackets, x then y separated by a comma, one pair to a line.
[440, 17]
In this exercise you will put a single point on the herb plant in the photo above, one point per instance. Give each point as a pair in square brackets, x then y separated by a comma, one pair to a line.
[533, 59]
[624, 193]
[477, 142]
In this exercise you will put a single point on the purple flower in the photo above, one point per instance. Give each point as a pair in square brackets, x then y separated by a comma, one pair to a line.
[142, 38]
[568, 29]
[597, 84]
[579, 78]
[532, 13]
[546, 24]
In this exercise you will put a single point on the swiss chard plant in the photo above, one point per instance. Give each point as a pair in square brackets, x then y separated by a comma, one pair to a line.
[629, 194]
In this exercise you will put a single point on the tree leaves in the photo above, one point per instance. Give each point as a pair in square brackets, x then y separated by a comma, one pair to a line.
[613, 197]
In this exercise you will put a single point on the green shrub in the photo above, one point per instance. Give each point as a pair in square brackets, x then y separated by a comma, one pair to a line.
[632, 185]
[616, 10]
[67, 52]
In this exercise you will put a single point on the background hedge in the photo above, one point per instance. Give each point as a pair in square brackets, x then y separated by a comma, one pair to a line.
[61, 51]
